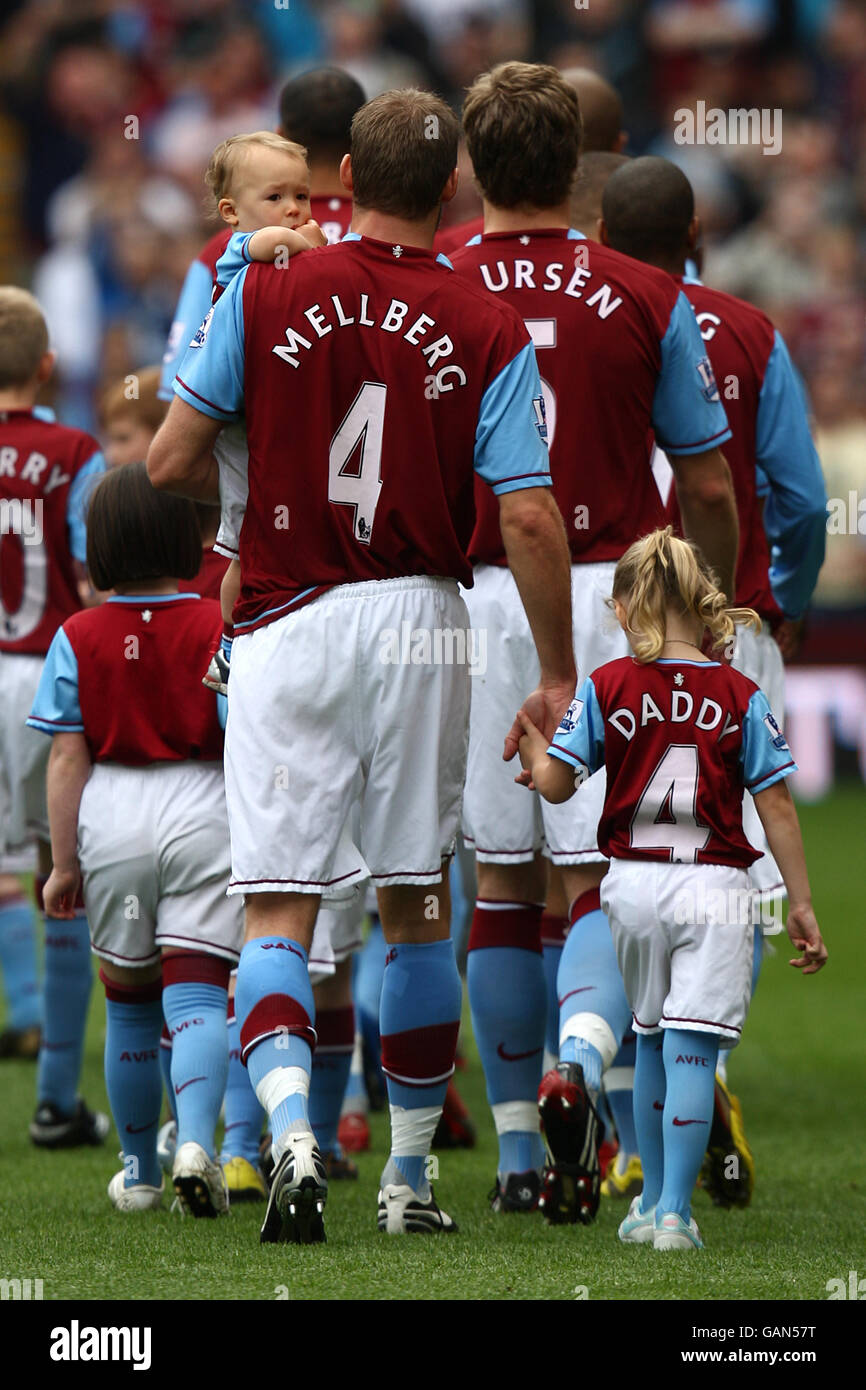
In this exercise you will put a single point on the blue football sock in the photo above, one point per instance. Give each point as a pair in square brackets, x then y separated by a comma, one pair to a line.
[196, 1016]
[18, 963]
[165, 1069]
[276, 1012]
[244, 1115]
[132, 1078]
[335, 1029]
[508, 999]
[649, 1104]
[419, 1021]
[690, 1068]
[66, 993]
[551, 955]
[619, 1089]
[369, 969]
[593, 1009]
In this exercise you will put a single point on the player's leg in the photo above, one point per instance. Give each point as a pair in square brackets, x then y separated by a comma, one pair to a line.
[623, 1175]
[508, 999]
[62, 1118]
[244, 1118]
[133, 1021]
[502, 823]
[711, 967]
[554, 930]
[335, 1031]
[419, 1022]
[18, 971]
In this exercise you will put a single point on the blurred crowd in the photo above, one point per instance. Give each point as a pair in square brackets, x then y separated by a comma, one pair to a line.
[109, 111]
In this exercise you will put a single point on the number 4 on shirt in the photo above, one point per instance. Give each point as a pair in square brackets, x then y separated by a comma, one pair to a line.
[666, 814]
[363, 425]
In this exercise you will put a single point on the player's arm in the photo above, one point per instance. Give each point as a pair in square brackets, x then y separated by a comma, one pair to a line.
[180, 458]
[795, 505]
[691, 426]
[534, 538]
[270, 242]
[69, 767]
[705, 493]
[779, 819]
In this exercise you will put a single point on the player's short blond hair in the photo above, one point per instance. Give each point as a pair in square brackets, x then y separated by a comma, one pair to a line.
[228, 157]
[134, 397]
[660, 571]
[23, 336]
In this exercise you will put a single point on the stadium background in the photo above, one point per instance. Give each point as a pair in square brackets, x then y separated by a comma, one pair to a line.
[100, 215]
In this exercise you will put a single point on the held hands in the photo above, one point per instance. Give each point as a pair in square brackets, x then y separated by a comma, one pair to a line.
[60, 892]
[805, 934]
[532, 747]
[544, 709]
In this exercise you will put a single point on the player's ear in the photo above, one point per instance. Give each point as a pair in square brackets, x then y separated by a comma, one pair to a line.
[46, 366]
[602, 232]
[346, 173]
[227, 211]
[451, 186]
[694, 232]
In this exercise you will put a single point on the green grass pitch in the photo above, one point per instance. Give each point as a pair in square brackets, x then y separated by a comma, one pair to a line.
[799, 1073]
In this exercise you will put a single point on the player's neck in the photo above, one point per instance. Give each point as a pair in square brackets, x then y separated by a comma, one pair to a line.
[325, 181]
[397, 230]
[18, 398]
[149, 588]
[525, 220]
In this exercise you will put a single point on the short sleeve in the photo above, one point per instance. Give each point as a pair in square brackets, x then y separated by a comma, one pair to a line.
[765, 757]
[511, 437]
[56, 708]
[76, 506]
[687, 414]
[579, 740]
[211, 375]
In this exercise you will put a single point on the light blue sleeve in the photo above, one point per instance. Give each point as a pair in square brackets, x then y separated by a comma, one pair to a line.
[511, 438]
[765, 757]
[795, 507]
[211, 376]
[687, 414]
[579, 740]
[56, 709]
[192, 306]
[234, 258]
[77, 501]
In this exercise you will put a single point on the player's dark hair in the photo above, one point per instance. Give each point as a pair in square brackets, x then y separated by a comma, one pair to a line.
[600, 109]
[661, 571]
[135, 533]
[316, 110]
[404, 149]
[523, 132]
[647, 206]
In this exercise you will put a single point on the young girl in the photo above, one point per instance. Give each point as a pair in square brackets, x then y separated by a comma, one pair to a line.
[136, 806]
[681, 736]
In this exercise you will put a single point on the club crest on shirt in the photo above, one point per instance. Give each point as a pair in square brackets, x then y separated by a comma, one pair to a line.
[709, 389]
[777, 738]
[201, 332]
[571, 716]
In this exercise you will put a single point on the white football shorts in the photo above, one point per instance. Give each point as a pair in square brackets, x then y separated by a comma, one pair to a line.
[23, 761]
[153, 845]
[758, 657]
[684, 936]
[504, 823]
[361, 695]
[336, 936]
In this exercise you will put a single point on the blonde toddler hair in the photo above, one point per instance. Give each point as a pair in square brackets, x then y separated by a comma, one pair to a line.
[228, 156]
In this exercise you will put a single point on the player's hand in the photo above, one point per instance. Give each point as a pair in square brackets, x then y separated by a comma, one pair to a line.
[789, 637]
[312, 232]
[544, 709]
[802, 928]
[61, 891]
